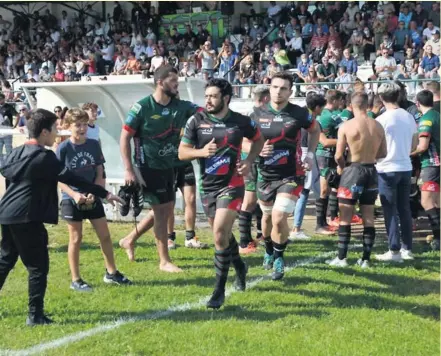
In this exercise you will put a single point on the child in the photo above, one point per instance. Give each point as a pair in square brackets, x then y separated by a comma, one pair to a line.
[30, 201]
[80, 154]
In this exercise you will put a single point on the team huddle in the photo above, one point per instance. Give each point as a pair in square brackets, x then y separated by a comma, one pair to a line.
[257, 164]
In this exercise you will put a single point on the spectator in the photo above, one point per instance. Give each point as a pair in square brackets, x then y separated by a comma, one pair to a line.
[434, 43]
[405, 15]
[333, 53]
[226, 61]
[59, 75]
[120, 65]
[409, 70]
[355, 43]
[319, 42]
[272, 33]
[394, 172]
[349, 62]
[256, 30]
[202, 35]
[352, 9]
[420, 16]
[434, 13]
[172, 59]
[271, 70]
[274, 13]
[312, 79]
[302, 73]
[385, 65]
[31, 76]
[291, 28]
[132, 66]
[343, 77]
[246, 73]
[282, 59]
[400, 37]
[260, 73]
[379, 27]
[429, 64]
[186, 72]
[368, 45]
[386, 44]
[157, 61]
[306, 30]
[208, 56]
[302, 13]
[9, 119]
[392, 20]
[346, 28]
[416, 40]
[44, 76]
[326, 72]
[22, 116]
[294, 47]
[334, 36]
[430, 30]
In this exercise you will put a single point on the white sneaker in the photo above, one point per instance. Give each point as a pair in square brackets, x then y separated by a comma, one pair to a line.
[363, 264]
[195, 243]
[171, 244]
[406, 254]
[390, 256]
[336, 262]
[298, 235]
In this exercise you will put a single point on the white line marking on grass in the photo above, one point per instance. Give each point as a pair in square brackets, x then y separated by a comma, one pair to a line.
[151, 316]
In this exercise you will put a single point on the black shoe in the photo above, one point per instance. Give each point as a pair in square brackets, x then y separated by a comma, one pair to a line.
[116, 278]
[435, 245]
[125, 195]
[241, 283]
[137, 201]
[217, 299]
[40, 319]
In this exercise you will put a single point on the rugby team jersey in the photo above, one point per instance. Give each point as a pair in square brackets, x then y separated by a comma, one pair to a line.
[429, 127]
[283, 130]
[157, 129]
[220, 171]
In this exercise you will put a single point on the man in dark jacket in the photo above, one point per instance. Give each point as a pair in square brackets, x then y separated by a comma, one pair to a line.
[31, 200]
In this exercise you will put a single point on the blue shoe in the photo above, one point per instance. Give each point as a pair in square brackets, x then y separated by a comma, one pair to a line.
[268, 261]
[279, 269]
[80, 286]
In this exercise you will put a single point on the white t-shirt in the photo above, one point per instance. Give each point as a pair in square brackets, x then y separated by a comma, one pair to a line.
[93, 132]
[429, 32]
[399, 127]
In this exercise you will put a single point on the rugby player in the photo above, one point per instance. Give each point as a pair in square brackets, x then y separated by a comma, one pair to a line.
[366, 141]
[429, 151]
[278, 183]
[249, 205]
[153, 123]
[214, 137]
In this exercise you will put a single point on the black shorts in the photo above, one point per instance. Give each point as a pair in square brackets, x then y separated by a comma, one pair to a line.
[227, 198]
[70, 211]
[160, 185]
[184, 175]
[358, 182]
[430, 179]
[251, 179]
[325, 164]
[267, 191]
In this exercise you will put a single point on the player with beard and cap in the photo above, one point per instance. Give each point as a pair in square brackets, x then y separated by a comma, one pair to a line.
[279, 182]
[214, 137]
[155, 123]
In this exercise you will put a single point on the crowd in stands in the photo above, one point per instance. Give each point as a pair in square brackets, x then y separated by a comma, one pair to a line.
[328, 44]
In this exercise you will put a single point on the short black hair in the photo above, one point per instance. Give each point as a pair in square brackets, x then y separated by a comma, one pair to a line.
[224, 87]
[425, 98]
[162, 73]
[314, 100]
[284, 76]
[39, 120]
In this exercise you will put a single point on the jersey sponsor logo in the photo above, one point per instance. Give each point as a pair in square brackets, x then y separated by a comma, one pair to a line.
[265, 125]
[168, 150]
[430, 187]
[230, 130]
[219, 125]
[136, 108]
[207, 131]
[217, 165]
[278, 158]
[278, 118]
[165, 112]
[155, 117]
[426, 123]
[205, 126]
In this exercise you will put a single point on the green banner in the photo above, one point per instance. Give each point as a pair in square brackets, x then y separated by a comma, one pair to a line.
[212, 21]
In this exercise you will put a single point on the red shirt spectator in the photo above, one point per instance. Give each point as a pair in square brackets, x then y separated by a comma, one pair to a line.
[59, 75]
[334, 36]
[392, 22]
[319, 40]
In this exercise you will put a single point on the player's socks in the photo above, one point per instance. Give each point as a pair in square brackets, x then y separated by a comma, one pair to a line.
[279, 249]
[189, 234]
[344, 237]
[368, 242]
[245, 228]
[222, 261]
[269, 247]
[434, 218]
[235, 257]
[321, 206]
[172, 236]
[333, 205]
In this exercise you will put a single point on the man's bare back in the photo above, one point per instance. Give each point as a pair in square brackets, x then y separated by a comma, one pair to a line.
[365, 138]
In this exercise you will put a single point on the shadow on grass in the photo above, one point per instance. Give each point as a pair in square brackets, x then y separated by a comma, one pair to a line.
[85, 246]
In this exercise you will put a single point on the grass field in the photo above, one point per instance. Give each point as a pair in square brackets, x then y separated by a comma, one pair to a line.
[315, 310]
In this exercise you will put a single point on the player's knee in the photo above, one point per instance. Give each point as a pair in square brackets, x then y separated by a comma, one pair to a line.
[266, 211]
[220, 233]
[284, 205]
[75, 239]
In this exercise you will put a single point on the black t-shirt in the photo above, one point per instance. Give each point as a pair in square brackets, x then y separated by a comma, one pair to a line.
[219, 171]
[283, 130]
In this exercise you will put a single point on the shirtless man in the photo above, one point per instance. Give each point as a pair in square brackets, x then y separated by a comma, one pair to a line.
[366, 141]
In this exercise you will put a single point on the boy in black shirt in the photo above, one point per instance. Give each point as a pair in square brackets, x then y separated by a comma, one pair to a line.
[31, 200]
